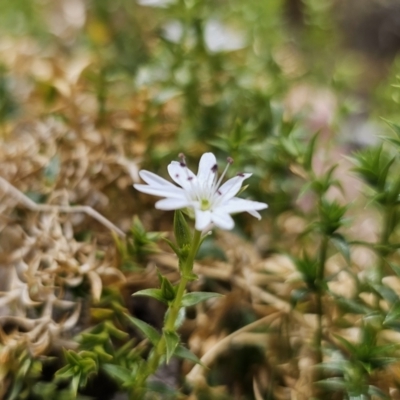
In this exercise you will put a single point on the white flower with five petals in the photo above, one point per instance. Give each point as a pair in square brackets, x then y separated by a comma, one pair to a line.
[211, 202]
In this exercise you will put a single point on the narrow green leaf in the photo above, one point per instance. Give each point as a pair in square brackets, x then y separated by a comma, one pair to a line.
[395, 127]
[385, 170]
[349, 346]
[180, 319]
[146, 329]
[75, 383]
[190, 299]
[71, 357]
[171, 341]
[64, 372]
[117, 372]
[172, 245]
[186, 354]
[113, 331]
[308, 156]
[155, 293]
[340, 242]
[393, 316]
[332, 384]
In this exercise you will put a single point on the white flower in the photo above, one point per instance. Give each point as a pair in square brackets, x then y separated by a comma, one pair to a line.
[212, 202]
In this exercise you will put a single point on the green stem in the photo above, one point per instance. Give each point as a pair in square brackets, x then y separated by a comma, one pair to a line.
[187, 269]
[155, 357]
[384, 240]
[320, 292]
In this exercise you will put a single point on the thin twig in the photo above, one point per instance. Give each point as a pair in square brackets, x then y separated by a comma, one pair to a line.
[7, 187]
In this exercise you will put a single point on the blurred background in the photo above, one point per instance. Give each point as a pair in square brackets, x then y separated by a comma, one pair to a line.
[91, 91]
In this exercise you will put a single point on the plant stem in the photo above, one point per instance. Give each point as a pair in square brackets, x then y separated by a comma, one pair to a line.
[384, 240]
[153, 362]
[186, 273]
[320, 292]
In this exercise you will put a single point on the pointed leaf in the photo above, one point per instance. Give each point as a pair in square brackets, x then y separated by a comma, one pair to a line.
[190, 299]
[117, 372]
[333, 384]
[154, 293]
[171, 341]
[173, 247]
[342, 245]
[393, 316]
[146, 329]
[308, 156]
[395, 127]
[180, 318]
[186, 354]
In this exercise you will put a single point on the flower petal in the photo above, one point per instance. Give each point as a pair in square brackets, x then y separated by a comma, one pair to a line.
[207, 168]
[173, 192]
[171, 204]
[254, 214]
[236, 205]
[222, 219]
[183, 176]
[232, 186]
[154, 180]
[203, 218]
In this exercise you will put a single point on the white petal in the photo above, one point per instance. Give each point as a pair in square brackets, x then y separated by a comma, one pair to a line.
[254, 214]
[171, 204]
[203, 218]
[183, 176]
[232, 186]
[173, 192]
[207, 168]
[237, 205]
[222, 219]
[154, 180]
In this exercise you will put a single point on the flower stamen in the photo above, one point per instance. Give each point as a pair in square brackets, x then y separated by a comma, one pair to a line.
[217, 185]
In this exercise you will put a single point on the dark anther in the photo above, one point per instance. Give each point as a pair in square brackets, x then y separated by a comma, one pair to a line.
[176, 175]
[214, 168]
[219, 192]
[241, 174]
[190, 178]
[182, 164]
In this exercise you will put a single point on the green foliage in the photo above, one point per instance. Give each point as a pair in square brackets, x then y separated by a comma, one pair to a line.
[373, 165]
[182, 233]
[137, 246]
[78, 369]
[180, 94]
[166, 294]
[26, 371]
[148, 331]
[308, 267]
[331, 216]
[191, 299]
[171, 340]
[8, 105]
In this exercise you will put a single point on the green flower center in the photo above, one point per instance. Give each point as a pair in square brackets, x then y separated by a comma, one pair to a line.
[204, 204]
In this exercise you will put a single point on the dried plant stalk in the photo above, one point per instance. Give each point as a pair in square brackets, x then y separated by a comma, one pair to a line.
[7, 187]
